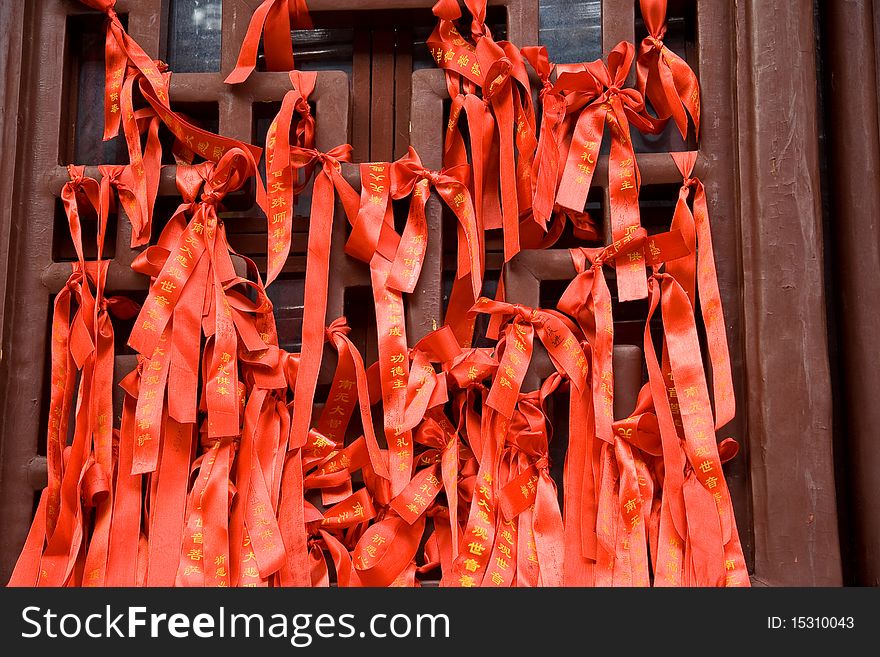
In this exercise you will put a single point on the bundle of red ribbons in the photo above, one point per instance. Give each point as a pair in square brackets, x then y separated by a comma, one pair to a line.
[226, 468]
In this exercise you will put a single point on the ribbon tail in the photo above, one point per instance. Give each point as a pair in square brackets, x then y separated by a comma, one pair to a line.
[548, 528]
[315, 309]
[247, 56]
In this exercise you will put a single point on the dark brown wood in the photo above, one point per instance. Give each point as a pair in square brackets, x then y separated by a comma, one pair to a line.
[788, 383]
[361, 70]
[21, 383]
[382, 97]
[13, 19]
[854, 167]
[403, 63]
[11, 34]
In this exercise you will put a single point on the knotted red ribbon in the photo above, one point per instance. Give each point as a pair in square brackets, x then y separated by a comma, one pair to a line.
[663, 77]
[475, 565]
[127, 63]
[79, 474]
[533, 488]
[120, 52]
[286, 182]
[341, 402]
[546, 167]
[199, 262]
[504, 106]
[597, 92]
[328, 182]
[697, 275]
[502, 166]
[588, 300]
[409, 177]
[697, 535]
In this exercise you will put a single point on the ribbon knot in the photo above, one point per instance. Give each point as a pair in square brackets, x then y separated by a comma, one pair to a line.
[479, 30]
[543, 463]
[498, 75]
[612, 75]
[332, 162]
[227, 175]
[531, 316]
[77, 175]
[74, 281]
[338, 326]
[329, 161]
[663, 77]
[302, 107]
[409, 170]
[113, 17]
[211, 196]
[434, 177]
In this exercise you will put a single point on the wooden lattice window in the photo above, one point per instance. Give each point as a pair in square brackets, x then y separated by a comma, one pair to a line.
[377, 90]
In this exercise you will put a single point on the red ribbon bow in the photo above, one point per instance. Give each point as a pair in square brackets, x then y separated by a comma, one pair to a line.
[328, 181]
[597, 92]
[408, 176]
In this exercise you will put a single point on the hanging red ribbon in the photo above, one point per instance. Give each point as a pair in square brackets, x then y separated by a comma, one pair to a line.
[663, 77]
[274, 19]
[286, 182]
[697, 275]
[219, 475]
[546, 167]
[597, 93]
[328, 182]
[79, 474]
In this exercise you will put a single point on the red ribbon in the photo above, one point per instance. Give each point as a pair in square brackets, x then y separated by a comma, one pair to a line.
[328, 182]
[533, 487]
[697, 274]
[663, 77]
[546, 167]
[597, 93]
[697, 544]
[286, 182]
[409, 177]
[79, 474]
[466, 446]
[274, 19]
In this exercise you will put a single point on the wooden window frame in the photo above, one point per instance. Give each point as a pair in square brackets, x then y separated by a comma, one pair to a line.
[759, 161]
